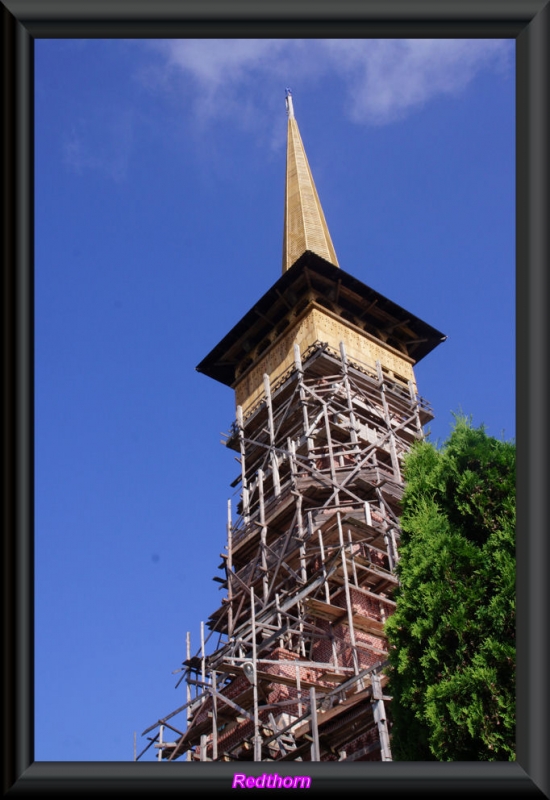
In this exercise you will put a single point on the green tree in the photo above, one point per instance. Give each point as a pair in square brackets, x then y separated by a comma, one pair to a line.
[452, 636]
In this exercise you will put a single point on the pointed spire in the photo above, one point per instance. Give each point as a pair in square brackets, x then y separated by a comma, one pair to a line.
[305, 227]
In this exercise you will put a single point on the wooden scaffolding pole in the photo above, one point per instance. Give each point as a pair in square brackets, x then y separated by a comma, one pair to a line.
[414, 399]
[242, 448]
[387, 416]
[315, 750]
[257, 738]
[229, 571]
[203, 660]
[214, 718]
[188, 715]
[348, 595]
[303, 401]
[352, 420]
[379, 712]
[273, 452]
[263, 537]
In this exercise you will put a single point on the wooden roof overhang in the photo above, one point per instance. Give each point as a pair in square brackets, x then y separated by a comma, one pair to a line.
[311, 280]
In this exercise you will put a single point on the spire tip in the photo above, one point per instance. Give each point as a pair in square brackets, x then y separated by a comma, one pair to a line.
[289, 106]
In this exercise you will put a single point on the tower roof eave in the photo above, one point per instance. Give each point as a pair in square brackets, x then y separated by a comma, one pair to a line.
[312, 278]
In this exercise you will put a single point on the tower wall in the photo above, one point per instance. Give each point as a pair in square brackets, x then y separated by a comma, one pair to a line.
[314, 325]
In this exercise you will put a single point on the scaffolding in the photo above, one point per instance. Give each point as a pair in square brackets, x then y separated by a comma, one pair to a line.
[298, 669]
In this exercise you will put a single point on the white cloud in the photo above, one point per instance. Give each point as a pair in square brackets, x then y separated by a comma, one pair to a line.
[216, 63]
[224, 77]
[387, 79]
[383, 80]
[243, 80]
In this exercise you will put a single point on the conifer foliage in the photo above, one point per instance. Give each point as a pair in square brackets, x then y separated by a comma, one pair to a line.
[452, 636]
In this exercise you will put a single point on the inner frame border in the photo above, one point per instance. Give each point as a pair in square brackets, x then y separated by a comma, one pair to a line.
[526, 21]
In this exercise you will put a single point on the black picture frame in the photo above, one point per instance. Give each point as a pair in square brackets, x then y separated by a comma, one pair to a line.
[526, 21]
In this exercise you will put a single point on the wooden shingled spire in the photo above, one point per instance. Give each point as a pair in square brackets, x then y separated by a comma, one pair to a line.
[305, 227]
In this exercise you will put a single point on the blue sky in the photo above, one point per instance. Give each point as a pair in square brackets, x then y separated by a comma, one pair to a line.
[159, 217]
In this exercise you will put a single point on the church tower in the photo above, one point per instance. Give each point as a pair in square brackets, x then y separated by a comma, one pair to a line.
[326, 408]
